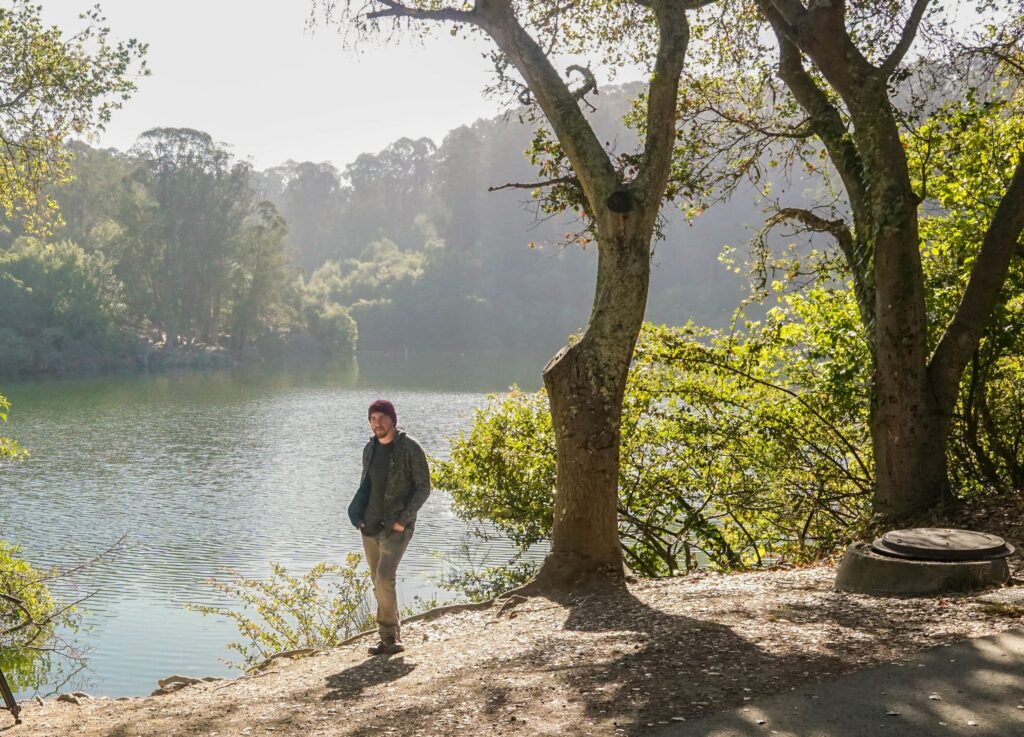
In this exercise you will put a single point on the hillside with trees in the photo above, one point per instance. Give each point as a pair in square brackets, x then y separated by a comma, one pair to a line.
[180, 244]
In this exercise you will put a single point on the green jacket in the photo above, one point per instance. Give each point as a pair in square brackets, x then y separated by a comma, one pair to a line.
[408, 482]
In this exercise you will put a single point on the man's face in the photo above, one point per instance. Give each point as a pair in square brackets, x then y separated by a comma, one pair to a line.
[382, 426]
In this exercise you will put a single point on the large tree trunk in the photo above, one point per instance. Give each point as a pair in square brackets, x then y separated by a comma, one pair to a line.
[587, 380]
[913, 395]
[909, 434]
[586, 383]
[909, 423]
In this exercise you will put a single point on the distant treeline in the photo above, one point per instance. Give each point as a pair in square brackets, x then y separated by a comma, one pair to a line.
[177, 244]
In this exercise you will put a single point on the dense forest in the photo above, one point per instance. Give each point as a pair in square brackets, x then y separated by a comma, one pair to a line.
[179, 243]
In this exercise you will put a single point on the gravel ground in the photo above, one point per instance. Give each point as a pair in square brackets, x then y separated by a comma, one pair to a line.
[607, 664]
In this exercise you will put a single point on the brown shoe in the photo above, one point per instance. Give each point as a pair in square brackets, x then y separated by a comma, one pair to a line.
[387, 646]
[394, 646]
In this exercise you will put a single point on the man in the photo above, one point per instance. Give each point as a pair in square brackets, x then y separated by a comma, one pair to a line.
[394, 484]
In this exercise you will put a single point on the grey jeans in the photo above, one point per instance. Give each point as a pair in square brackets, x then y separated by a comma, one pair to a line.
[384, 552]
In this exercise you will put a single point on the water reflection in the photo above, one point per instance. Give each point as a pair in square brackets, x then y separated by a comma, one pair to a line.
[203, 471]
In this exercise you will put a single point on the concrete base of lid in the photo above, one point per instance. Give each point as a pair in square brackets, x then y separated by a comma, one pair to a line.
[864, 571]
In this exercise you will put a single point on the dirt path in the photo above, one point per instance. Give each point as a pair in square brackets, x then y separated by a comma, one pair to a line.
[665, 651]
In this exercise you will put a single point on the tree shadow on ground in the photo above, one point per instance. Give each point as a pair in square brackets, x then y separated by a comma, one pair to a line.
[351, 682]
[609, 661]
[646, 680]
[616, 662]
[974, 684]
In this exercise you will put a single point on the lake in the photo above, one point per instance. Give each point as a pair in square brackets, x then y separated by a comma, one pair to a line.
[205, 471]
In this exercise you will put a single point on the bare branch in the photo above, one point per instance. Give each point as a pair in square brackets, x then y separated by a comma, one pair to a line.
[535, 185]
[394, 9]
[906, 39]
[593, 167]
[797, 131]
[818, 224]
[30, 621]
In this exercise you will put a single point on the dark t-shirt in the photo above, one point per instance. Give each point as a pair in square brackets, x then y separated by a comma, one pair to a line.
[379, 463]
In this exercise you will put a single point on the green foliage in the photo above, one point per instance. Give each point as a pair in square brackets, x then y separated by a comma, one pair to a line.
[183, 209]
[9, 448]
[422, 297]
[29, 616]
[259, 276]
[483, 584]
[53, 86]
[503, 470]
[963, 159]
[417, 250]
[333, 328]
[319, 609]
[736, 450]
[58, 305]
[382, 270]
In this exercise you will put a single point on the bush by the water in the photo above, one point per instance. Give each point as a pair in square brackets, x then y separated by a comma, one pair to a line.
[735, 451]
[29, 616]
[318, 610]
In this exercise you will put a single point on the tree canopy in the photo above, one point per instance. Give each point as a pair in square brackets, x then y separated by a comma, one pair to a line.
[54, 85]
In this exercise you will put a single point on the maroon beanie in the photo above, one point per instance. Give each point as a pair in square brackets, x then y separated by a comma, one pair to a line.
[385, 407]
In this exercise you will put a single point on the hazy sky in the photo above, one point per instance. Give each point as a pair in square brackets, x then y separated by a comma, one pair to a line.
[251, 75]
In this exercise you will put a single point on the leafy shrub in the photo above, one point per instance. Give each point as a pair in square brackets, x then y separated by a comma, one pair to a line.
[319, 609]
[9, 447]
[735, 451]
[29, 616]
[333, 328]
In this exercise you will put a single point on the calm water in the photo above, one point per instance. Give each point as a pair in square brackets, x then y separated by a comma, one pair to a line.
[204, 471]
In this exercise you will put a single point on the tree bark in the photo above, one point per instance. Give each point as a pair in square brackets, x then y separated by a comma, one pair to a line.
[586, 383]
[909, 435]
[910, 422]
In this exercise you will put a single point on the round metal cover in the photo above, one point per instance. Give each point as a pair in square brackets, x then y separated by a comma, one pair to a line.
[937, 543]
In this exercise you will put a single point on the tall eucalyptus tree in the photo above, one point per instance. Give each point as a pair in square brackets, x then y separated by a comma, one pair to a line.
[180, 228]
